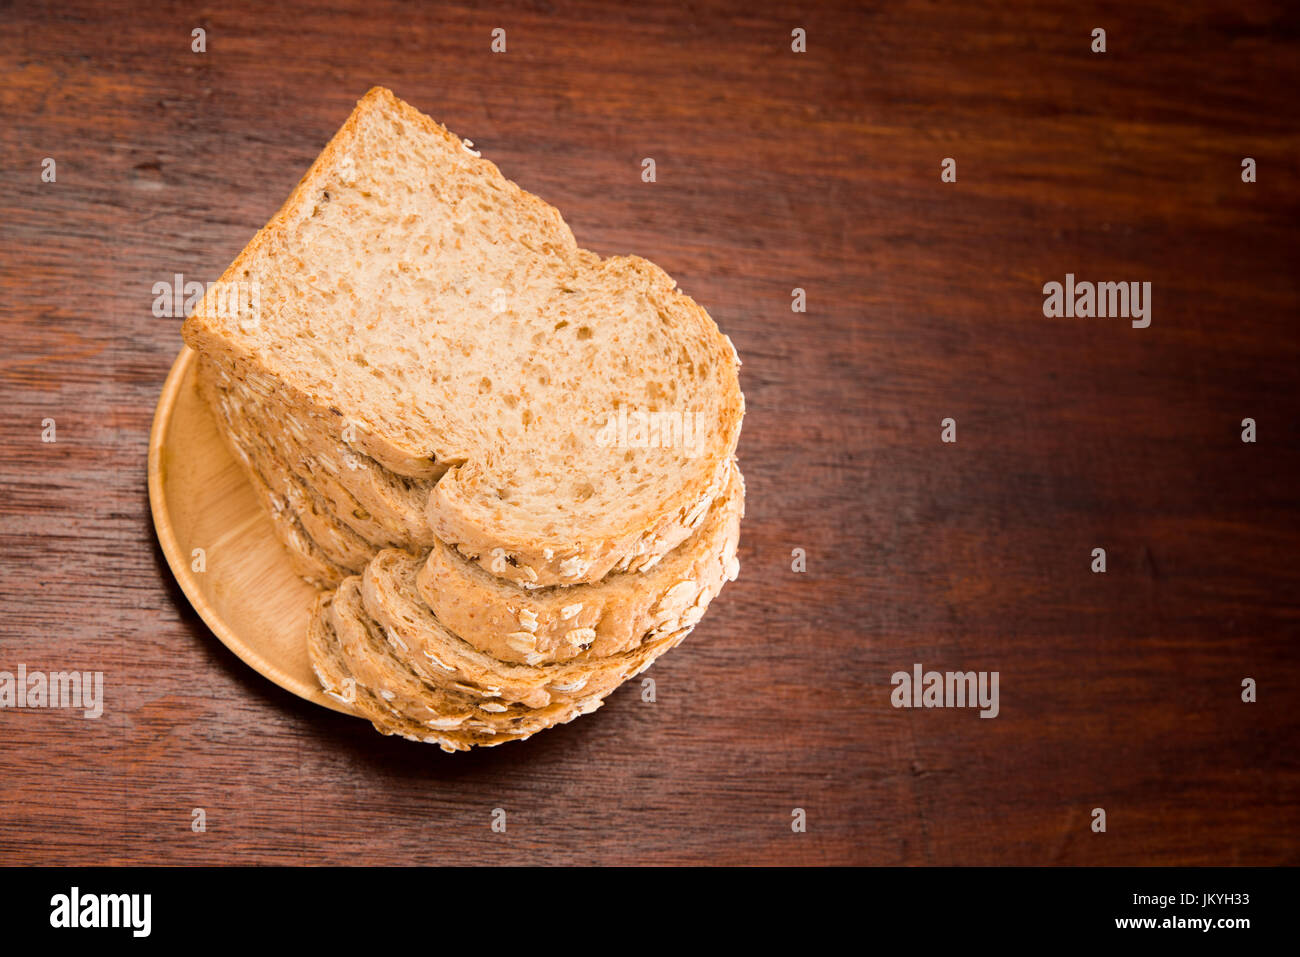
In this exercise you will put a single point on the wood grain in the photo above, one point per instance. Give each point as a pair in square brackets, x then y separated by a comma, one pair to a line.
[775, 170]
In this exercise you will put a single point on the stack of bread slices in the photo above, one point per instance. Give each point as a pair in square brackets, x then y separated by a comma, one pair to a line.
[507, 462]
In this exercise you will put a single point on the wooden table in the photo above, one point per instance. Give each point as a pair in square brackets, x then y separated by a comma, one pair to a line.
[775, 170]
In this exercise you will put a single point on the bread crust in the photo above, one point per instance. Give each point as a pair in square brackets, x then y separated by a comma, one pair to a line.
[391, 598]
[535, 626]
[339, 542]
[377, 684]
[387, 509]
[308, 559]
[338, 682]
[379, 666]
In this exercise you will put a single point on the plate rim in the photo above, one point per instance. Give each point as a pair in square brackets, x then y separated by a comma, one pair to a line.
[176, 560]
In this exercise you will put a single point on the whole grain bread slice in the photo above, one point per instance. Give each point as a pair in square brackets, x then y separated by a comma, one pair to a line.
[391, 596]
[525, 626]
[339, 543]
[337, 681]
[373, 662]
[387, 509]
[559, 623]
[513, 624]
[354, 667]
[308, 560]
[584, 409]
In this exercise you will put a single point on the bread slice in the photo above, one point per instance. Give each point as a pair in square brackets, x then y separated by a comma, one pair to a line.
[443, 318]
[373, 662]
[308, 560]
[343, 547]
[385, 508]
[595, 620]
[391, 598]
[354, 666]
[340, 684]
[495, 616]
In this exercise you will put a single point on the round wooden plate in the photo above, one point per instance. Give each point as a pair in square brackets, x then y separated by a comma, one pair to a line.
[247, 592]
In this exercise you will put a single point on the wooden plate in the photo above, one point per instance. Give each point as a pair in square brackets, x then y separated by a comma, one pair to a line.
[247, 594]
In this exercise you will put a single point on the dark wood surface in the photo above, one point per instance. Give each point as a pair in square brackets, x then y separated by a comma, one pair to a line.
[775, 170]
